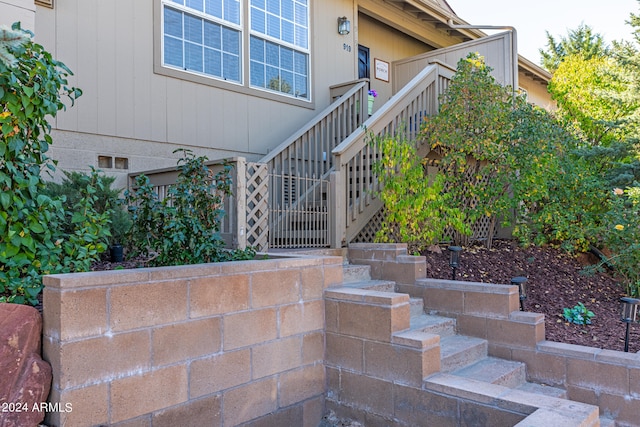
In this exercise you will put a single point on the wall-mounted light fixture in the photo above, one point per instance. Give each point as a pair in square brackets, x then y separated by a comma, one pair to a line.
[344, 26]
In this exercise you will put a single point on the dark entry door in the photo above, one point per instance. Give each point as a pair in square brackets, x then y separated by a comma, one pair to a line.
[363, 62]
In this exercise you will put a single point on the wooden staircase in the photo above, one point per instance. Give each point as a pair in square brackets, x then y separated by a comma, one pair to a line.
[493, 390]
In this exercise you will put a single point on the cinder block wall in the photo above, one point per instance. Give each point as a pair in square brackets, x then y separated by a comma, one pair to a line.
[606, 378]
[216, 344]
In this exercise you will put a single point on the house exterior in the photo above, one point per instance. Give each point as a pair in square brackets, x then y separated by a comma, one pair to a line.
[240, 78]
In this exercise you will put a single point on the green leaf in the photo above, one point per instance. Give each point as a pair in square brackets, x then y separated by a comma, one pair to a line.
[5, 200]
[77, 217]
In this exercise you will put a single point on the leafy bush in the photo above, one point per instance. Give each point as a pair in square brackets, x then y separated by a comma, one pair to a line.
[184, 227]
[418, 211]
[83, 231]
[106, 200]
[620, 235]
[578, 315]
[32, 85]
[471, 135]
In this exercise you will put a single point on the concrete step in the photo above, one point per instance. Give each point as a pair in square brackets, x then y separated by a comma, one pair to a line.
[417, 306]
[443, 326]
[495, 371]
[355, 273]
[372, 285]
[537, 410]
[607, 422]
[542, 389]
[457, 351]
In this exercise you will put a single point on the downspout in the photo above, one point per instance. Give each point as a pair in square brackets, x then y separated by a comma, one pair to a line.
[514, 46]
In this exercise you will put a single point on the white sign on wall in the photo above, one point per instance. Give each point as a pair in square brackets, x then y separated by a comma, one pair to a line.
[381, 69]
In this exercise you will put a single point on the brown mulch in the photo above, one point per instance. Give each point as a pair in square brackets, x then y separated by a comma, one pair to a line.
[556, 280]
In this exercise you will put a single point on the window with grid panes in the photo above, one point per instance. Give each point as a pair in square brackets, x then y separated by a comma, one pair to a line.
[279, 46]
[206, 37]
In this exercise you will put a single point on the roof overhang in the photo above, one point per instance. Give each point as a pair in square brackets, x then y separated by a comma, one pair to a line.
[438, 13]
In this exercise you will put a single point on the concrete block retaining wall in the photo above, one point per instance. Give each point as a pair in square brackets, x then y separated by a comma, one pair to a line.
[606, 378]
[248, 343]
[216, 344]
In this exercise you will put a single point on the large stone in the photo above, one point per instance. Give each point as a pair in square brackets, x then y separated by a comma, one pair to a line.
[26, 378]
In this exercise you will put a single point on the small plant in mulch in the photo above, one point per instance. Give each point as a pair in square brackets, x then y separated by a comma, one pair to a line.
[579, 314]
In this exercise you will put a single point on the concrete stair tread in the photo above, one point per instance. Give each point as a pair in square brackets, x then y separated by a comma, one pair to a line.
[607, 422]
[495, 371]
[457, 351]
[543, 389]
[543, 410]
[371, 284]
[443, 326]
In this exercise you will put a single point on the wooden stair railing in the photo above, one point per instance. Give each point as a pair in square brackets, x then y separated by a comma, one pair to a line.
[299, 169]
[353, 185]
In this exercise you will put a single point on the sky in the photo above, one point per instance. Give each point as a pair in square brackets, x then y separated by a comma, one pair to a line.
[533, 18]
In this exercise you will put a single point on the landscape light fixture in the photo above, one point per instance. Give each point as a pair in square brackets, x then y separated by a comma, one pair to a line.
[520, 282]
[629, 312]
[344, 26]
[454, 259]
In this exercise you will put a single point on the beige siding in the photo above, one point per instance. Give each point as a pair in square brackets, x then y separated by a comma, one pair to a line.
[496, 50]
[22, 11]
[387, 44]
[109, 45]
[537, 92]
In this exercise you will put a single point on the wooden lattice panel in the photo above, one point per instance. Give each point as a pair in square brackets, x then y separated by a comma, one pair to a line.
[369, 231]
[258, 206]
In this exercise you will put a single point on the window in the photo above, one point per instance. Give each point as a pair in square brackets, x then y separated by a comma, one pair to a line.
[261, 44]
[279, 46]
[203, 36]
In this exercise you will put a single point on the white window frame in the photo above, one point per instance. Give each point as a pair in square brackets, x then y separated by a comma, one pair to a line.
[207, 18]
[282, 43]
[244, 86]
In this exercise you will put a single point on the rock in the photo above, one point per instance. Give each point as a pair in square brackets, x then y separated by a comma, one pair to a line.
[26, 378]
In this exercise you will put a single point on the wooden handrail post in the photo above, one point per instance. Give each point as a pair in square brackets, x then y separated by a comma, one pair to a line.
[240, 193]
[337, 225]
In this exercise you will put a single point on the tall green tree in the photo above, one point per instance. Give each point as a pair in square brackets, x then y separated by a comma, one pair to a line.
[595, 96]
[581, 41]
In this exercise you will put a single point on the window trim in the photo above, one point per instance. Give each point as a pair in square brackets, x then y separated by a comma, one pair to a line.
[245, 87]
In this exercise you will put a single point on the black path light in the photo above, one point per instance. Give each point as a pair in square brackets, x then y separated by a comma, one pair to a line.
[454, 259]
[629, 311]
[521, 283]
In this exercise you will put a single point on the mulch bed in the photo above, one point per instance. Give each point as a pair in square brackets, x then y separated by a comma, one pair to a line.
[556, 280]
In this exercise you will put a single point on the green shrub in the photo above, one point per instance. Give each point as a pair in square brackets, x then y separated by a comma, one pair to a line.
[32, 85]
[106, 200]
[578, 315]
[183, 228]
[83, 230]
[620, 235]
[418, 211]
